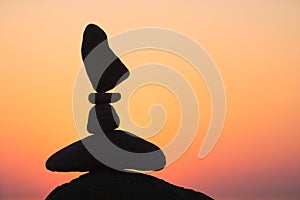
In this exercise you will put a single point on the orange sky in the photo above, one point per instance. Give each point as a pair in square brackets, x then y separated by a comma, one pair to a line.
[255, 45]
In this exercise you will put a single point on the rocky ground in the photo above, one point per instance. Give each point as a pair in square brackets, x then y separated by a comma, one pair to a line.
[113, 184]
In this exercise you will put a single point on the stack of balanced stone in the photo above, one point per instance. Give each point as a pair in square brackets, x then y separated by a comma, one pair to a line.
[106, 148]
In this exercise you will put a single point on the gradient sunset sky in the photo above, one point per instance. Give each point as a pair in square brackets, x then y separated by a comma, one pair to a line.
[255, 45]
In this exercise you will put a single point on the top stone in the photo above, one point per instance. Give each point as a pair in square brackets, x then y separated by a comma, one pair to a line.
[105, 70]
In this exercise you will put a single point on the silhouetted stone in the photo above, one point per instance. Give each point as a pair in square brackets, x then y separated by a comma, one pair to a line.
[131, 142]
[109, 150]
[117, 149]
[124, 186]
[102, 98]
[76, 157]
[103, 115]
[105, 70]
[149, 157]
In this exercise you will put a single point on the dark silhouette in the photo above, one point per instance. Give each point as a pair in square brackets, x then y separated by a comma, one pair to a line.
[76, 157]
[105, 70]
[103, 67]
[119, 185]
[110, 180]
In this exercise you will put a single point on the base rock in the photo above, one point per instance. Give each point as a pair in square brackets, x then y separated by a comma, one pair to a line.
[111, 184]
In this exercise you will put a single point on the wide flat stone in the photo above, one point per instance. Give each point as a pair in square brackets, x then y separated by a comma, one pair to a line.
[123, 151]
[74, 157]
